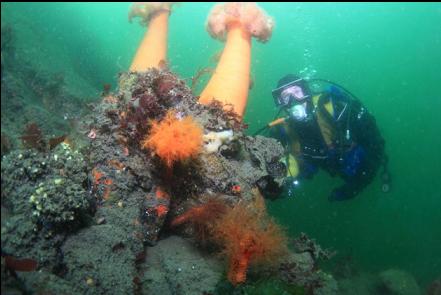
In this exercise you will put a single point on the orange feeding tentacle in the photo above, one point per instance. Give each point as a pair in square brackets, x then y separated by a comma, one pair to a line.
[153, 47]
[239, 263]
[248, 237]
[231, 79]
[187, 215]
[174, 139]
[203, 213]
[237, 273]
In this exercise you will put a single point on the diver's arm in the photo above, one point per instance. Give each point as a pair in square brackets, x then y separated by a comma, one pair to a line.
[288, 140]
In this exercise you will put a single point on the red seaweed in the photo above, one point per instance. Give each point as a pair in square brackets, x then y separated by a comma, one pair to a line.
[33, 137]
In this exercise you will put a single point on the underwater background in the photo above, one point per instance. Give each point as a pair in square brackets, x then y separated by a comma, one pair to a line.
[388, 54]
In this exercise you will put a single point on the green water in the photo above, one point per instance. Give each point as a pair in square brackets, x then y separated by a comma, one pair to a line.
[389, 55]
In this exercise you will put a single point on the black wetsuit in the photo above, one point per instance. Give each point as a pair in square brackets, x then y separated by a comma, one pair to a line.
[357, 148]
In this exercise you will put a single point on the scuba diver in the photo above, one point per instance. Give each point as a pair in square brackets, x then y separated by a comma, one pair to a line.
[328, 129]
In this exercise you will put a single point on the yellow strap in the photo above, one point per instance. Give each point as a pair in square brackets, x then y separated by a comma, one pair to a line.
[328, 106]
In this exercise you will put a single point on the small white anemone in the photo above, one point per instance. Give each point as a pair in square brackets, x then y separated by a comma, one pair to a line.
[213, 140]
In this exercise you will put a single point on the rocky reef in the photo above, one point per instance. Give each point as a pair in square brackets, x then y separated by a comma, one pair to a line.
[104, 213]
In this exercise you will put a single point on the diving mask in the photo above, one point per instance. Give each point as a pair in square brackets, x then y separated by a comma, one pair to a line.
[290, 93]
